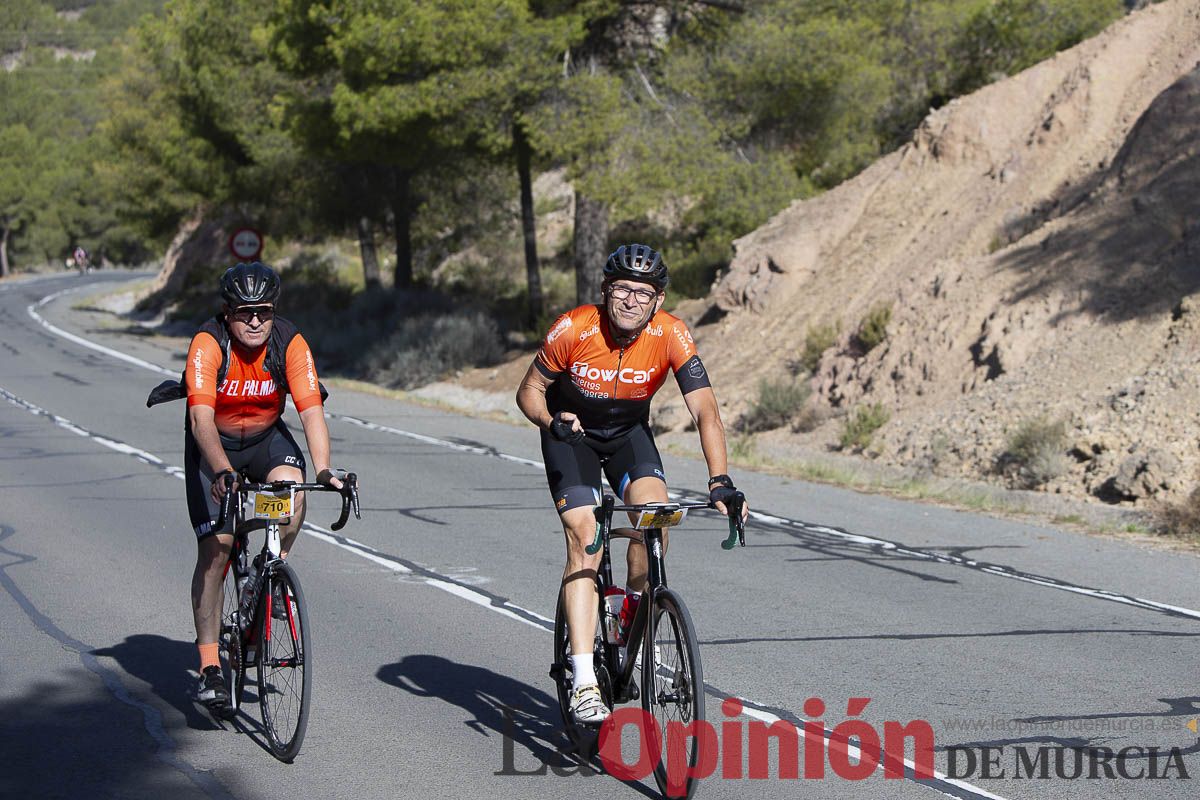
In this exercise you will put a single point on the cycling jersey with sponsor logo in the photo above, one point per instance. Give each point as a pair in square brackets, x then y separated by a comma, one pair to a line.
[609, 386]
[248, 402]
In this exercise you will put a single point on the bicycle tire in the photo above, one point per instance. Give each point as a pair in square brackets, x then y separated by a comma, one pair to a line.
[672, 688]
[229, 639]
[284, 664]
[584, 739]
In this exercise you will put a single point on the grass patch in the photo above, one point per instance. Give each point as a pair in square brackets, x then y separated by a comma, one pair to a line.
[861, 425]
[742, 449]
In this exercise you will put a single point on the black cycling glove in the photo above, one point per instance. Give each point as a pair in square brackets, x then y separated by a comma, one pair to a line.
[561, 429]
[721, 489]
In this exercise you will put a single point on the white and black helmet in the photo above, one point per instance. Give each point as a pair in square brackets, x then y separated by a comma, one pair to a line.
[248, 284]
[637, 262]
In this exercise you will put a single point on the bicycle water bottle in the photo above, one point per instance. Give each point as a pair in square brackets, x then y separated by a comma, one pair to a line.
[625, 619]
[614, 599]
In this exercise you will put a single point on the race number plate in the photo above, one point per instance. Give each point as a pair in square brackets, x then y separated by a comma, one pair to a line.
[667, 517]
[272, 506]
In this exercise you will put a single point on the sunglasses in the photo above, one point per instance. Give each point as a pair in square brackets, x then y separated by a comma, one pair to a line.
[247, 313]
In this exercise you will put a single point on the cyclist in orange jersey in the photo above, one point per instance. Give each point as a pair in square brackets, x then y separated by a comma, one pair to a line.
[589, 390]
[235, 425]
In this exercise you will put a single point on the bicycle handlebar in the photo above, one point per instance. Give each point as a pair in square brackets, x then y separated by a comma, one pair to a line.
[348, 492]
[604, 512]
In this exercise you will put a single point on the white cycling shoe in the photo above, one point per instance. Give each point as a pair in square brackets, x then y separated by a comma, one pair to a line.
[587, 706]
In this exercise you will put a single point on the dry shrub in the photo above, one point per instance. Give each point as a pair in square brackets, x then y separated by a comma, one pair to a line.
[1181, 518]
[1035, 453]
[777, 402]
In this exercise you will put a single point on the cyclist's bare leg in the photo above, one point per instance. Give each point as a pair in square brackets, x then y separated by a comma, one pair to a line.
[644, 490]
[579, 578]
[287, 533]
[212, 554]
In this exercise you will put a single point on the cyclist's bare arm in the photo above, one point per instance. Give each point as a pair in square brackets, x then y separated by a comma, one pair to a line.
[316, 432]
[531, 399]
[702, 404]
[203, 421]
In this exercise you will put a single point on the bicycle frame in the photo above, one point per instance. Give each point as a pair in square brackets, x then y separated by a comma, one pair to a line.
[624, 683]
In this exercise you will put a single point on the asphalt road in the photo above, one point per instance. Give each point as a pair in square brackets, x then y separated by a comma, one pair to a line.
[1026, 648]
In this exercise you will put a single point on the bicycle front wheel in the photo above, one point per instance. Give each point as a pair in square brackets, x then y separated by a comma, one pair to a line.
[233, 666]
[673, 694]
[284, 662]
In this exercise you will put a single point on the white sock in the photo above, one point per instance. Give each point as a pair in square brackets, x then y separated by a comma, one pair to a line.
[583, 670]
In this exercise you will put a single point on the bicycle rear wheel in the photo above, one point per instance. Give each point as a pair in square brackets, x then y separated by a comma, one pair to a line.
[229, 640]
[284, 662]
[673, 693]
[585, 739]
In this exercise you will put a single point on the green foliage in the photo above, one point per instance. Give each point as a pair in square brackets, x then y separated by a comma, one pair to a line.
[872, 330]
[1006, 36]
[1035, 452]
[299, 112]
[817, 340]
[776, 404]
[861, 425]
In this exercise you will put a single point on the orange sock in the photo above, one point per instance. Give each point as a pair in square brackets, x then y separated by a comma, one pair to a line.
[208, 656]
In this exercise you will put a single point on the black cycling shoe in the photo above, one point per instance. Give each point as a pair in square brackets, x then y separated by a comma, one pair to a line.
[211, 691]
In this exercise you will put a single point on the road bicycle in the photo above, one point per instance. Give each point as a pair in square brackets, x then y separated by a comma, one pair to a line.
[661, 643]
[264, 619]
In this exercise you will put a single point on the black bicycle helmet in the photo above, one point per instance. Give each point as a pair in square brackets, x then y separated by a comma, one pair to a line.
[249, 284]
[637, 262]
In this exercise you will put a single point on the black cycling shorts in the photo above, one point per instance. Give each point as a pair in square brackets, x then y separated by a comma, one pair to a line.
[574, 470]
[256, 457]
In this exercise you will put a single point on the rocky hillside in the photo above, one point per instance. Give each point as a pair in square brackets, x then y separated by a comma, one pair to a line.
[1038, 244]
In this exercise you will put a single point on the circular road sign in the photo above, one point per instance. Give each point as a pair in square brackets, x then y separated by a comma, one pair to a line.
[246, 243]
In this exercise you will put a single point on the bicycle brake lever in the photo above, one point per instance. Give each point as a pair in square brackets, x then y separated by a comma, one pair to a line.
[352, 482]
[737, 529]
[226, 501]
[603, 513]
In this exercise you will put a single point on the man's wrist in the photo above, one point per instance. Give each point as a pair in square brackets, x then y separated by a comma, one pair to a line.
[721, 480]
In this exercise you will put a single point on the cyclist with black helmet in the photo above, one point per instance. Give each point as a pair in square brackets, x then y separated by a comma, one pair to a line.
[588, 390]
[240, 366]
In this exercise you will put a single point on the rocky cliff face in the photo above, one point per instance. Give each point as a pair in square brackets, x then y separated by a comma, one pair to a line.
[1038, 243]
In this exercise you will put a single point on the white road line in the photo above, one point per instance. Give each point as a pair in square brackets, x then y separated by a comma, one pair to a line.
[108, 351]
[483, 599]
[997, 570]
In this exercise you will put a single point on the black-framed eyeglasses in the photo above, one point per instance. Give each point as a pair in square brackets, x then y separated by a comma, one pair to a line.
[643, 296]
[247, 313]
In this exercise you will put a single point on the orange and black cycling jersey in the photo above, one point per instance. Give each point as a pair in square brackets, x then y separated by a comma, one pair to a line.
[248, 402]
[609, 386]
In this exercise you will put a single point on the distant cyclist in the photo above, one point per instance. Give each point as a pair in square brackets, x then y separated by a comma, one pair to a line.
[82, 262]
[589, 391]
[237, 426]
